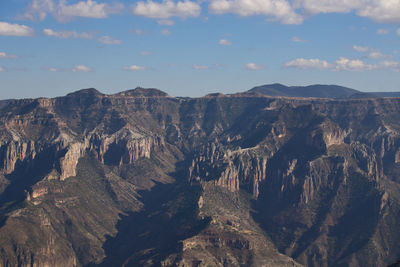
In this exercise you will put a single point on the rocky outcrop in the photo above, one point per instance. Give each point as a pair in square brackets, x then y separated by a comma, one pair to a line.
[68, 163]
[15, 152]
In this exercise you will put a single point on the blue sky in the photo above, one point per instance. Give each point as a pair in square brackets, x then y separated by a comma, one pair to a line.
[192, 48]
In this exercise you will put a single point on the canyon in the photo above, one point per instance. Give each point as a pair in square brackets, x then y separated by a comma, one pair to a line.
[140, 178]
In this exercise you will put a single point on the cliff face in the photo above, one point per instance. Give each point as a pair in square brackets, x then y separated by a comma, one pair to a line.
[83, 175]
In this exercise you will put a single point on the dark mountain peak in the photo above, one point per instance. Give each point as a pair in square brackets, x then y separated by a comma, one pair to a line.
[275, 86]
[316, 90]
[143, 92]
[86, 92]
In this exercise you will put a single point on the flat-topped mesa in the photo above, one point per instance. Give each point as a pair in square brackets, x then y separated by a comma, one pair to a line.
[143, 92]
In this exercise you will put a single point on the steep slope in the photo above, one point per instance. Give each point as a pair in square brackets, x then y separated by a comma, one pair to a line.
[142, 179]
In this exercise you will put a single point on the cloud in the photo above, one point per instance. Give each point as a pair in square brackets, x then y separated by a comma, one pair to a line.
[297, 40]
[109, 40]
[398, 32]
[377, 55]
[224, 42]
[8, 29]
[134, 68]
[327, 6]
[88, 9]
[380, 10]
[377, 10]
[167, 9]
[341, 64]
[5, 55]
[373, 54]
[352, 65]
[166, 32]
[81, 68]
[279, 10]
[301, 63]
[2, 69]
[145, 53]
[382, 31]
[361, 49]
[67, 34]
[39, 9]
[50, 69]
[390, 64]
[200, 67]
[137, 31]
[166, 22]
[254, 66]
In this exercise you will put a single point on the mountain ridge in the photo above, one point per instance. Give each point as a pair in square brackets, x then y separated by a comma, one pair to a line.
[317, 91]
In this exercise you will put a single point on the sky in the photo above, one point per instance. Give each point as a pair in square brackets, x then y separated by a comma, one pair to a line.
[191, 48]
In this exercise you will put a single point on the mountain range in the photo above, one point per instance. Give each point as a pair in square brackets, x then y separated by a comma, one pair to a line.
[317, 91]
[274, 176]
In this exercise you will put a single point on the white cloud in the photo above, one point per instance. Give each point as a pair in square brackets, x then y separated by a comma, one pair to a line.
[9, 29]
[2, 69]
[297, 40]
[398, 31]
[88, 9]
[166, 32]
[380, 10]
[200, 67]
[352, 65]
[382, 31]
[5, 55]
[81, 68]
[377, 55]
[39, 9]
[167, 9]
[166, 22]
[50, 69]
[373, 54]
[361, 49]
[302, 63]
[342, 64]
[280, 10]
[389, 64]
[137, 31]
[224, 42]
[145, 53]
[134, 68]
[109, 40]
[67, 34]
[327, 6]
[254, 66]
[377, 10]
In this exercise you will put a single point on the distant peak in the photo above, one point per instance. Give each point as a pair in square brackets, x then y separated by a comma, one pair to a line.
[276, 85]
[215, 95]
[143, 92]
[316, 90]
[86, 92]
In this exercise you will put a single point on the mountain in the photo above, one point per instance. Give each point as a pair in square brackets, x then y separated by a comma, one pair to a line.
[386, 94]
[140, 178]
[317, 91]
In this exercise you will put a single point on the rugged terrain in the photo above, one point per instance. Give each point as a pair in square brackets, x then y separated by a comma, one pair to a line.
[140, 178]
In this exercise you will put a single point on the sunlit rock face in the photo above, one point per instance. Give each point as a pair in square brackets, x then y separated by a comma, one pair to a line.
[142, 178]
